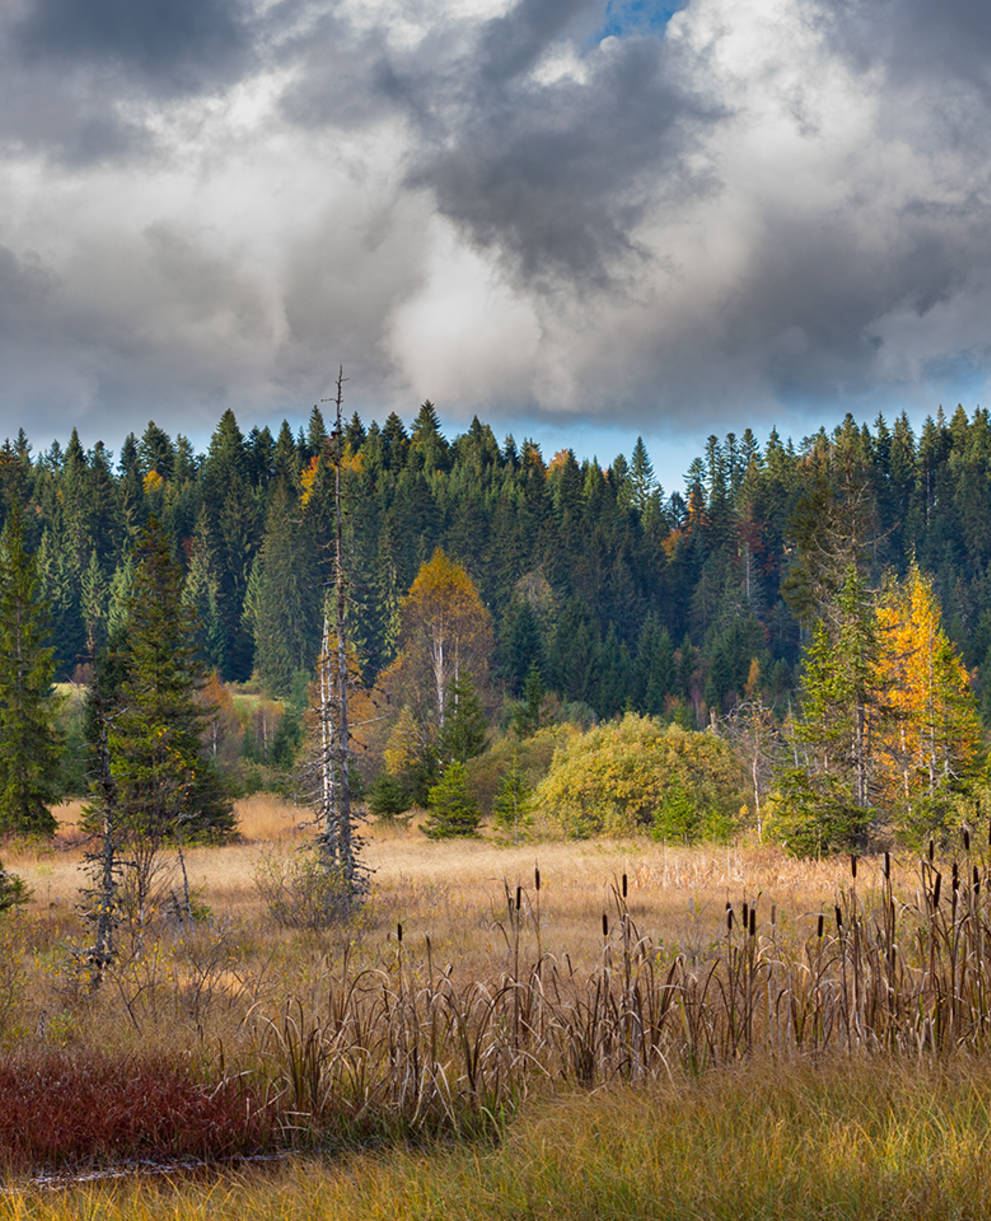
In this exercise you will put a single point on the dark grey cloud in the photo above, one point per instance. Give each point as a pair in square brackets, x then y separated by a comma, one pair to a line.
[170, 46]
[775, 202]
[915, 39]
[556, 176]
[553, 175]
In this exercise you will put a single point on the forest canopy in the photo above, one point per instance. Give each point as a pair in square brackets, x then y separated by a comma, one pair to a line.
[777, 573]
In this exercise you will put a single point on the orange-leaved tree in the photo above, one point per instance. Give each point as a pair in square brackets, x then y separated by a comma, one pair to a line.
[928, 735]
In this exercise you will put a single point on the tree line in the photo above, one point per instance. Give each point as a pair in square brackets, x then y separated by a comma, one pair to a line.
[711, 604]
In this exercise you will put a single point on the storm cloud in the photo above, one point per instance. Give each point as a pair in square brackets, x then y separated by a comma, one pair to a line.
[738, 213]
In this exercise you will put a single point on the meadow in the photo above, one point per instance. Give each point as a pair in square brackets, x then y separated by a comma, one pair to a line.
[554, 1029]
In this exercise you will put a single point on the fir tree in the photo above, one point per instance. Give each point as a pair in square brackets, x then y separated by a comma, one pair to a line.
[28, 744]
[464, 729]
[511, 808]
[166, 788]
[453, 810]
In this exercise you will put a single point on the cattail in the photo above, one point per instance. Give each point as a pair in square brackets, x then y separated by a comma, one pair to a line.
[729, 918]
[774, 914]
[605, 925]
[536, 878]
[932, 850]
[936, 886]
[624, 885]
[839, 919]
[399, 933]
[966, 839]
[746, 914]
[853, 865]
[956, 877]
[887, 864]
[819, 925]
[977, 879]
[519, 895]
[753, 921]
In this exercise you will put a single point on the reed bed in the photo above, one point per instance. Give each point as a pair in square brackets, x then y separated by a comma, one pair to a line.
[457, 996]
[876, 974]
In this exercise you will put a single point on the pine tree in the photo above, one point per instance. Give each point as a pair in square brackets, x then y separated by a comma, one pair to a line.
[829, 800]
[453, 810]
[166, 787]
[28, 743]
[511, 808]
[282, 606]
[464, 729]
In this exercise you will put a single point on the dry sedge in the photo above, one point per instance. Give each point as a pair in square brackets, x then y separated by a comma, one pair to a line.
[468, 989]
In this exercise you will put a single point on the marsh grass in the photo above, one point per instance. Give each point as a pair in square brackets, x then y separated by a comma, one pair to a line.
[475, 984]
[869, 1140]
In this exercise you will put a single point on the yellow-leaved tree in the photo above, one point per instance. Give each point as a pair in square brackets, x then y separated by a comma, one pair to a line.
[928, 734]
[445, 632]
[445, 642]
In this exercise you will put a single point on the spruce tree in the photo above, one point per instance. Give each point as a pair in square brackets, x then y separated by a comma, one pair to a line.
[28, 743]
[166, 788]
[511, 808]
[453, 810]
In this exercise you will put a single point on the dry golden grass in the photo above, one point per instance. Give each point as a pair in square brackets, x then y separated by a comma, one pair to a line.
[454, 890]
[519, 996]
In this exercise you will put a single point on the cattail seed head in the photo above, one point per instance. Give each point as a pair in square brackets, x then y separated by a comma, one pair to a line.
[936, 886]
[605, 925]
[819, 925]
[977, 879]
[536, 877]
[966, 839]
[956, 877]
[932, 849]
[729, 918]
[853, 864]
[887, 864]
[519, 896]
[839, 918]
[753, 921]
[774, 913]
[399, 933]
[746, 913]
[624, 885]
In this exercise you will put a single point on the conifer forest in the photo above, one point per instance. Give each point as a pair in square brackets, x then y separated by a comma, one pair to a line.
[820, 607]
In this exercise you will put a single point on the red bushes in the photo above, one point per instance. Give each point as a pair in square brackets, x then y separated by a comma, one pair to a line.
[73, 1108]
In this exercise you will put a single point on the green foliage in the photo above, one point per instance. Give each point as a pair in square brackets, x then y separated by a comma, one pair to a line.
[464, 727]
[453, 810]
[13, 890]
[29, 748]
[812, 815]
[511, 808]
[165, 784]
[635, 775]
[534, 756]
[527, 714]
[388, 797]
[282, 603]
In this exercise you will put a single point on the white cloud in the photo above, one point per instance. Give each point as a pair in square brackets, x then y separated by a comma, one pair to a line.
[740, 216]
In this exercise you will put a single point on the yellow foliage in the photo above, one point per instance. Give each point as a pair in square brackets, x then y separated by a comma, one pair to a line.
[308, 478]
[153, 482]
[929, 731]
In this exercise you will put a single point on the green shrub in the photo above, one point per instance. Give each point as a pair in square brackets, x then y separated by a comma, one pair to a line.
[637, 774]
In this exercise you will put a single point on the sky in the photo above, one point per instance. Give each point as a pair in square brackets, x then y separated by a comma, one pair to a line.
[583, 221]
